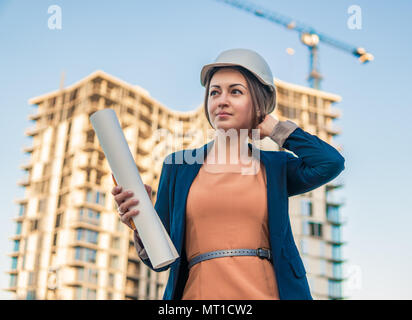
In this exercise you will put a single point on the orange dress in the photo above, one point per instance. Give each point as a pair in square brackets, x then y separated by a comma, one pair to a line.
[228, 210]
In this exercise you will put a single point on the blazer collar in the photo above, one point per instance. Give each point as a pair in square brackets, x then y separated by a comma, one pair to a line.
[204, 150]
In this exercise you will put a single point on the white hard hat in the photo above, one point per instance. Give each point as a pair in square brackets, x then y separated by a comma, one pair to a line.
[247, 59]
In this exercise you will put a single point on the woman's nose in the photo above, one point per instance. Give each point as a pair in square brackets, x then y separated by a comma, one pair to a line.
[222, 99]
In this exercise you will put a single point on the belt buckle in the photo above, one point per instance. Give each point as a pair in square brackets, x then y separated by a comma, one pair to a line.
[260, 253]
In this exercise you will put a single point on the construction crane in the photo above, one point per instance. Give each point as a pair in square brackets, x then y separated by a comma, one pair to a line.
[308, 36]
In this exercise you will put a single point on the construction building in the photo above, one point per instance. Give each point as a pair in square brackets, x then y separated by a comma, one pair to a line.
[69, 241]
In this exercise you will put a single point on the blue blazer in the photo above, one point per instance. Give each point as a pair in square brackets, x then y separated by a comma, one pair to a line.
[317, 163]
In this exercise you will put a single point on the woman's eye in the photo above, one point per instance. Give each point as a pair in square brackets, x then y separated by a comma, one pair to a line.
[211, 93]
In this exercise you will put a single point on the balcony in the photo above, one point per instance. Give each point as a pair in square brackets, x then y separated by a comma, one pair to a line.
[333, 216]
[28, 149]
[333, 113]
[23, 182]
[132, 292]
[35, 116]
[334, 200]
[334, 184]
[27, 166]
[332, 129]
[31, 132]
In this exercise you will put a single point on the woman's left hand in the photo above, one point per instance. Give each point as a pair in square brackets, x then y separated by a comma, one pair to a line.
[266, 126]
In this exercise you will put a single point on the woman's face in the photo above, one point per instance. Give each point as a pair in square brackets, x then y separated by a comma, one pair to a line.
[229, 92]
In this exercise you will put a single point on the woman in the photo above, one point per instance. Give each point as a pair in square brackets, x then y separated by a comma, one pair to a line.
[229, 219]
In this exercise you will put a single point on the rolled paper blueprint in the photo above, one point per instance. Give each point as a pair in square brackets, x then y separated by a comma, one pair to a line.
[155, 239]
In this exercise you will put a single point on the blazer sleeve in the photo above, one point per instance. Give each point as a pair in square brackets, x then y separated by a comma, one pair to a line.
[317, 162]
[162, 208]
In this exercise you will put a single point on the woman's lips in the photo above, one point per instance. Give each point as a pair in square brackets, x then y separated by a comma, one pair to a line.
[223, 115]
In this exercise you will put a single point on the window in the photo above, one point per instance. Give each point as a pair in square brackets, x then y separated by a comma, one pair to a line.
[322, 249]
[99, 176]
[31, 295]
[62, 200]
[335, 289]
[90, 136]
[312, 101]
[332, 213]
[116, 243]
[86, 235]
[58, 220]
[336, 252]
[31, 279]
[55, 239]
[90, 216]
[13, 280]
[313, 118]
[34, 225]
[22, 210]
[16, 245]
[98, 197]
[306, 207]
[336, 233]
[70, 112]
[305, 228]
[80, 274]
[337, 270]
[85, 254]
[69, 128]
[64, 181]
[159, 287]
[315, 229]
[13, 263]
[120, 225]
[89, 195]
[67, 145]
[92, 276]
[111, 280]
[322, 267]
[79, 293]
[18, 229]
[304, 246]
[114, 261]
[91, 294]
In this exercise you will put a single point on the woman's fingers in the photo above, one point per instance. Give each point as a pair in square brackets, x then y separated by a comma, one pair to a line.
[121, 197]
[127, 204]
[128, 216]
[116, 190]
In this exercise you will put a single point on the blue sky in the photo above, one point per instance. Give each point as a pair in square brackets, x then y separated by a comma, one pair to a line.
[162, 45]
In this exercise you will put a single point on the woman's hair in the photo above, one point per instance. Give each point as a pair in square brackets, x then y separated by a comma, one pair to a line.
[260, 94]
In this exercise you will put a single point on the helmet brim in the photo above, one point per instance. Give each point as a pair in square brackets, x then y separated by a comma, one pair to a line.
[208, 67]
